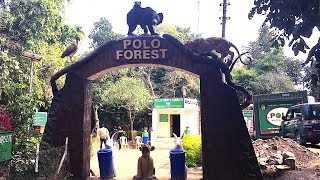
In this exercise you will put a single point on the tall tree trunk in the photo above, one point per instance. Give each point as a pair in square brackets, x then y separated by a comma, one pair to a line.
[95, 116]
[146, 74]
[131, 124]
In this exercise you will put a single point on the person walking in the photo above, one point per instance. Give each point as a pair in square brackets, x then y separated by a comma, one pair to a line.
[145, 135]
[186, 131]
[120, 133]
[103, 134]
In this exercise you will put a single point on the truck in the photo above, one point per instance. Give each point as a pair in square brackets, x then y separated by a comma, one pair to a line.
[268, 110]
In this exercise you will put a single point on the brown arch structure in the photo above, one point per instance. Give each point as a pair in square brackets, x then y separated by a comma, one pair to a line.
[227, 150]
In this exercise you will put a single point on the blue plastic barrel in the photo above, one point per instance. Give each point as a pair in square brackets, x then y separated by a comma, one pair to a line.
[106, 163]
[177, 164]
[145, 140]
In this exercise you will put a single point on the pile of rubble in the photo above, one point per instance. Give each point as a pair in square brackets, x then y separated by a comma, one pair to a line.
[279, 154]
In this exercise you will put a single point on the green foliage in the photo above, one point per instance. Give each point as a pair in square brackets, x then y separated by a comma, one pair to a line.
[293, 20]
[311, 80]
[22, 107]
[173, 82]
[273, 83]
[270, 71]
[169, 83]
[129, 93]
[192, 146]
[21, 32]
[48, 15]
[244, 77]
[36, 26]
[182, 34]
[9, 68]
[102, 32]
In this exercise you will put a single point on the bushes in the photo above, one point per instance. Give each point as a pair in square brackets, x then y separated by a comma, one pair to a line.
[192, 146]
[5, 120]
[49, 160]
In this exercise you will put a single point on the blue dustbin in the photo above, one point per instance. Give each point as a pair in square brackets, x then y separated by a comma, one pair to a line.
[177, 164]
[106, 164]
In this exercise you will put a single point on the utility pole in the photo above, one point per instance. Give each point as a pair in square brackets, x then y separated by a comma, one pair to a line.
[32, 57]
[198, 17]
[224, 17]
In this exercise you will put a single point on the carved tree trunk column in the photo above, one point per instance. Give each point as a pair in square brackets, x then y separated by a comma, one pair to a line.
[75, 123]
[227, 151]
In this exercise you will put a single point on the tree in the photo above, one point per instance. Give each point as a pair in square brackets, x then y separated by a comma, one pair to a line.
[174, 83]
[273, 83]
[20, 31]
[128, 93]
[244, 77]
[181, 33]
[267, 61]
[99, 87]
[293, 20]
[102, 32]
[156, 78]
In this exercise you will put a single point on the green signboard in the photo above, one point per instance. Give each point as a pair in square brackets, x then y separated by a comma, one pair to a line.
[164, 117]
[168, 103]
[248, 118]
[247, 113]
[40, 119]
[270, 115]
[5, 146]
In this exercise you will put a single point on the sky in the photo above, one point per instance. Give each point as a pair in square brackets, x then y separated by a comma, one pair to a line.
[184, 13]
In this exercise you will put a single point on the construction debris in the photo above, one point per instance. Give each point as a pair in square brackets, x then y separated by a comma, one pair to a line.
[278, 155]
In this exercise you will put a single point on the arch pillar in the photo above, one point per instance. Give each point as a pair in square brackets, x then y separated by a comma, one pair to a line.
[227, 151]
[74, 123]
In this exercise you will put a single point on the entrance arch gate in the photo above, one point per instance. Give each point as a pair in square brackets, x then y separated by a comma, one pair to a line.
[227, 150]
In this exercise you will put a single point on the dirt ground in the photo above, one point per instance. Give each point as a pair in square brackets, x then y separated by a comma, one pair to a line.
[126, 162]
[269, 147]
[310, 173]
[308, 160]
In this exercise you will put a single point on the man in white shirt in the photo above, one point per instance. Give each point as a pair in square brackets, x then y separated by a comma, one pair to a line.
[103, 133]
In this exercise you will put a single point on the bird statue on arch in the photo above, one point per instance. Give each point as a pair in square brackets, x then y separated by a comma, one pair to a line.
[71, 50]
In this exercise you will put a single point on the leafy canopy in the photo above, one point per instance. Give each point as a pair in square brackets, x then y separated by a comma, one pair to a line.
[102, 32]
[129, 93]
[35, 26]
[293, 20]
[270, 71]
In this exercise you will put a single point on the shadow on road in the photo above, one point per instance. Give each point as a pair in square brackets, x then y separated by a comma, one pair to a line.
[316, 146]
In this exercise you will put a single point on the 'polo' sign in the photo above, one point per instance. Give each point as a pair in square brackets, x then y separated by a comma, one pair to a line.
[141, 49]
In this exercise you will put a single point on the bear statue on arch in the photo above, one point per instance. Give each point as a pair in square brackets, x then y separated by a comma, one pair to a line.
[145, 17]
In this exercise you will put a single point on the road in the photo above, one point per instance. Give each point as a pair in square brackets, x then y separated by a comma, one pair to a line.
[126, 161]
[314, 148]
